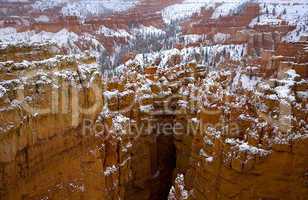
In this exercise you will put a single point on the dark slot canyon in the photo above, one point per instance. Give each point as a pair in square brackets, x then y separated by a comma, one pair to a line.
[161, 162]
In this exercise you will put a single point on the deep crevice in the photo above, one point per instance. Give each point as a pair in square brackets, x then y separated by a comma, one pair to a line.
[167, 160]
[164, 158]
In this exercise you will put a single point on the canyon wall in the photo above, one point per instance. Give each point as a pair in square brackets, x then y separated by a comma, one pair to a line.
[60, 141]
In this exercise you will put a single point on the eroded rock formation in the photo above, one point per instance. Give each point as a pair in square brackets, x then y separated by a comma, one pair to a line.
[227, 141]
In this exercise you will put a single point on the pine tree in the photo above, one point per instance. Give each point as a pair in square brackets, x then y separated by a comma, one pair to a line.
[104, 61]
[284, 11]
[242, 53]
[274, 11]
[206, 56]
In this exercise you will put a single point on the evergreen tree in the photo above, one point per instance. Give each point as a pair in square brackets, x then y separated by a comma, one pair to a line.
[104, 62]
[206, 56]
[274, 11]
[284, 11]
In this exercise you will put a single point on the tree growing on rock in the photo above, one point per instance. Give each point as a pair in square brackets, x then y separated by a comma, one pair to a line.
[284, 11]
[104, 62]
[274, 11]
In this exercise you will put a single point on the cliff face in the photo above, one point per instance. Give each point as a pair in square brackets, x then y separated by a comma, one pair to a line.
[56, 143]
[240, 150]
[42, 148]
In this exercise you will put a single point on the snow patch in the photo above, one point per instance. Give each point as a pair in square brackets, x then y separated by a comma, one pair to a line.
[42, 18]
[185, 9]
[229, 8]
[84, 8]
[221, 37]
[113, 33]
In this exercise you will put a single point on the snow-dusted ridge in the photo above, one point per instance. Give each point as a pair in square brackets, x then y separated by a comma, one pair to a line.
[141, 30]
[274, 12]
[292, 12]
[229, 8]
[235, 52]
[187, 8]
[113, 33]
[83, 8]
[63, 38]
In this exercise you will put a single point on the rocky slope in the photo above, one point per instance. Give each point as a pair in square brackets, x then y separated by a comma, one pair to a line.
[153, 99]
